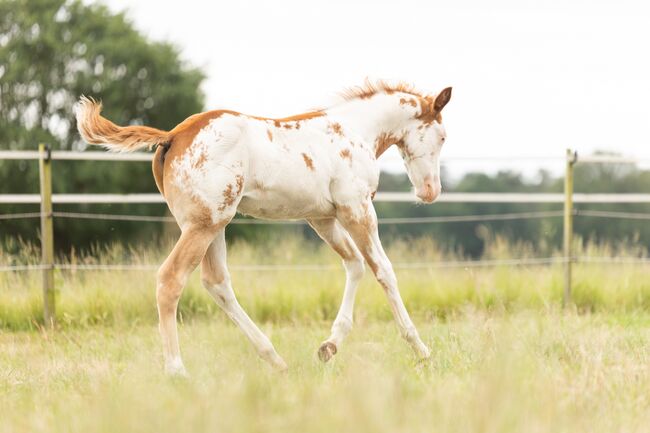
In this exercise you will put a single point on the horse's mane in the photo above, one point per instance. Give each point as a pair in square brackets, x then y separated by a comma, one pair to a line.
[370, 88]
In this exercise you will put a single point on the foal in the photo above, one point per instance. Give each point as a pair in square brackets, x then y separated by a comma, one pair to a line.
[320, 166]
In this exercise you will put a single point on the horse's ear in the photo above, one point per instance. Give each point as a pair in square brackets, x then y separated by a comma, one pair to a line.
[442, 99]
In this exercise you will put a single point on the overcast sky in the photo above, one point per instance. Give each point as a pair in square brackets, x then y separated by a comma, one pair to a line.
[530, 77]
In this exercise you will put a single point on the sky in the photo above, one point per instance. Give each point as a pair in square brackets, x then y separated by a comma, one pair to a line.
[530, 78]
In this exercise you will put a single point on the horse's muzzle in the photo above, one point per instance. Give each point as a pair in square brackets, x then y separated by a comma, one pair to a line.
[429, 192]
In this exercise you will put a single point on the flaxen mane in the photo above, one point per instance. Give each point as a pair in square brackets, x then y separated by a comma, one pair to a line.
[428, 111]
[369, 89]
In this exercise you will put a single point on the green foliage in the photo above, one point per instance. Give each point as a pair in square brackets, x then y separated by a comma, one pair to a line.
[53, 51]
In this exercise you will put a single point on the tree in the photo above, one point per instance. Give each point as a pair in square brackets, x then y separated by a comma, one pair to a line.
[53, 51]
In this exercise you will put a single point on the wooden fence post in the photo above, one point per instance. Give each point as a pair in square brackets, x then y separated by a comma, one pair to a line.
[571, 158]
[47, 233]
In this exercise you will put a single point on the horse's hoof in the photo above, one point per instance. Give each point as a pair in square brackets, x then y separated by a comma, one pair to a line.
[326, 351]
[281, 367]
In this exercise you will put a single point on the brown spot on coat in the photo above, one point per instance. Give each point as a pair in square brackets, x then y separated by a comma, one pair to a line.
[336, 128]
[239, 179]
[410, 101]
[200, 160]
[360, 226]
[228, 197]
[268, 132]
[345, 154]
[428, 114]
[308, 161]
[229, 193]
[386, 140]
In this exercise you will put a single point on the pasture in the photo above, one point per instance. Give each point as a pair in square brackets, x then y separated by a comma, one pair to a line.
[489, 372]
[505, 356]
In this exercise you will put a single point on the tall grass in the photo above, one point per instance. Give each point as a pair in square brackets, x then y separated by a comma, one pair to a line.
[87, 298]
[504, 358]
[489, 372]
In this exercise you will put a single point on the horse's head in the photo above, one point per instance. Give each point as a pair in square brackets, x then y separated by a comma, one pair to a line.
[421, 146]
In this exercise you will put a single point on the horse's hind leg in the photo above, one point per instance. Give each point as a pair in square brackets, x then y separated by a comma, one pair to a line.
[172, 276]
[337, 238]
[216, 279]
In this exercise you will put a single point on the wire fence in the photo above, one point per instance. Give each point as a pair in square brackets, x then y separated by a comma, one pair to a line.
[397, 220]
[44, 155]
[483, 263]
[315, 267]
[385, 196]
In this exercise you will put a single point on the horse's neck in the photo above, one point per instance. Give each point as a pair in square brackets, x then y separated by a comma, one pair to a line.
[372, 117]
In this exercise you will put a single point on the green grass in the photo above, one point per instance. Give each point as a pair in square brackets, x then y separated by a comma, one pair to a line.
[86, 298]
[530, 371]
[505, 356]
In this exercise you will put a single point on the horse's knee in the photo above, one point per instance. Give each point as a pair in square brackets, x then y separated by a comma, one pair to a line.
[218, 285]
[210, 281]
[354, 267]
[213, 274]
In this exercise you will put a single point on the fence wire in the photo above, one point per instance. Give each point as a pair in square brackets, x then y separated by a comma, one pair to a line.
[466, 264]
[396, 220]
[612, 214]
[15, 216]
[325, 267]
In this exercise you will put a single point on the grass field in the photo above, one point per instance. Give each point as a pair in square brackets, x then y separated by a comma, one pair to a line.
[86, 298]
[513, 372]
[505, 356]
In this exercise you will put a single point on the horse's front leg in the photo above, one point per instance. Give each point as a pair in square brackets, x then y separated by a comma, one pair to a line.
[361, 222]
[336, 237]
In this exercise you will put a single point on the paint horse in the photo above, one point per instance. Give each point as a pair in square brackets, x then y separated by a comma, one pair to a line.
[319, 166]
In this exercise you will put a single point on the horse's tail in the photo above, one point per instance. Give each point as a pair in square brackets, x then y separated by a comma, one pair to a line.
[96, 129]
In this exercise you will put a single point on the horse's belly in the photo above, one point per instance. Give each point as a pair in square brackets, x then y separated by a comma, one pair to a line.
[285, 205]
